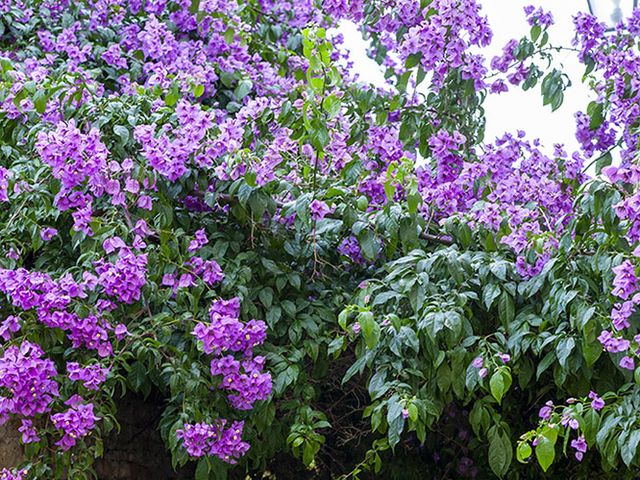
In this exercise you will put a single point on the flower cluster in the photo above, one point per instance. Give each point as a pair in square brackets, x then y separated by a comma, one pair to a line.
[245, 377]
[91, 376]
[226, 333]
[538, 17]
[204, 439]
[27, 380]
[124, 278]
[567, 417]
[6, 474]
[76, 422]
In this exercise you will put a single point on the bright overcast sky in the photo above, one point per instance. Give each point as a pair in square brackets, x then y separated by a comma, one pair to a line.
[516, 109]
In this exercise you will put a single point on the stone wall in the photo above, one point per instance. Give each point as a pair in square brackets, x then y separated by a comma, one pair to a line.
[10, 446]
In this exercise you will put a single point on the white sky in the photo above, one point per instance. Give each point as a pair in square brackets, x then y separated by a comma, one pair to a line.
[515, 109]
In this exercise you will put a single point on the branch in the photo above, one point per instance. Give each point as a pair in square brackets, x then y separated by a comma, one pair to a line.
[429, 237]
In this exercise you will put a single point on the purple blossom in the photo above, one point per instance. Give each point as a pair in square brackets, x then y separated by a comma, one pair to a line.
[76, 422]
[319, 210]
[29, 433]
[121, 331]
[546, 411]
[48, 233]
[10, 325]
[350, 248]
[505, 357]
[580, 446]
[627, 363]
[620, 315]
[477, 362]
[625, 281]
[568, 421]
[199, 241]
[6, 474]
[597, 403]
[125, 278]
[91, 376]
[538, 17]
[613, 344]
[205, 439]
[29, 378]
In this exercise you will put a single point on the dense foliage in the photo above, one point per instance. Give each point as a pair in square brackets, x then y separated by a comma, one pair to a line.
[319, 278]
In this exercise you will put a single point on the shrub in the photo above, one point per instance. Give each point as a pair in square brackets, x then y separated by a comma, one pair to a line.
[201, 200]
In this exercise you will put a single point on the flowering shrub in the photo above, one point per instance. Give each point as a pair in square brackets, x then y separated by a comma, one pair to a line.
[201, 200]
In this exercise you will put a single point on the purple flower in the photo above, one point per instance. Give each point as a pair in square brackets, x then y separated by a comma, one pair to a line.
[505, 357]
[213, 439]
[29, 378]
[209, 270]
[6, 474]
[483, 372]
[538, 17]
[125, 278]
[29, 433]
[91, 376]
[546, 411]
[580, 445]
[596, 402]
[48, 233]
[112, 244]
[625, 281]
[405, 413]
[10, 325]
[319, 210]
[76, 422]
[145, 202]
[477, 362]
[627, 362]
[620, 315]
[613, 344]
[569, 421]
[121, 331]
[350, 248]
[199, 241]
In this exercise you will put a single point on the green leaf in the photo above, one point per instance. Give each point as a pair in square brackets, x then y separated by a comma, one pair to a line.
[603, 161]
[500, 453]
[536, 30]
[545, 451]
[198, 91]
[370, 329]
[377, 384]
[331, 104]
[489, 293]
[40, 101]
[137, 376]
[596, 116]
[369, 244]
[629, 447]
[394, 420]
[266, 297]
[202, 470]
[244, 87]
[194, 7]
[172, 97]
[499, 383]
[564, 349]
[123, 133]
[523, 452]
[506, 308]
